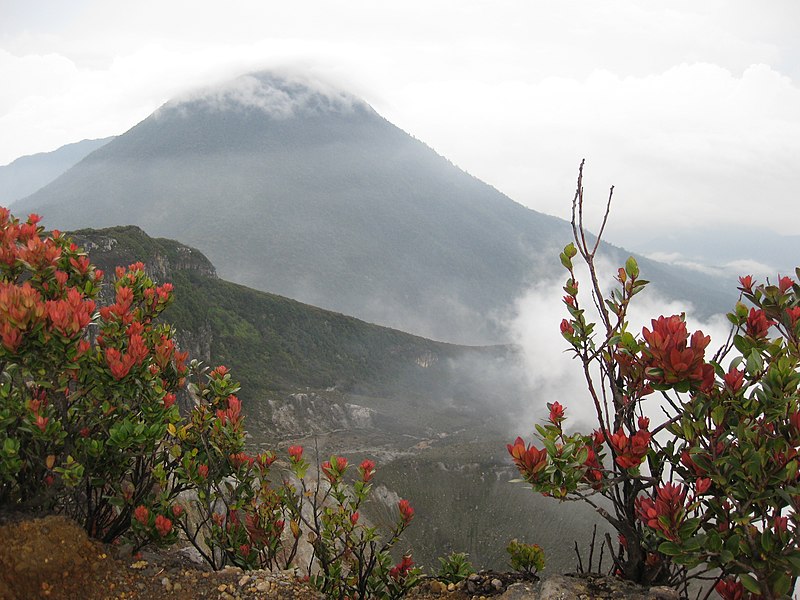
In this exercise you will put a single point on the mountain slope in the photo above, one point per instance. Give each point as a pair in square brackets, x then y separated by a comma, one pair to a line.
[434, 421]
[309, 193]
[27, 174]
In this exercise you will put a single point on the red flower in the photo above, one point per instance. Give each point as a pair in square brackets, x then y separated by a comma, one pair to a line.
[644, 423]
[529, 460]
[177, 510]
[354, 518]
[401, 570]
[672, 358]
[202, 471]
[233, 413]
[334, 468]
[556, 413]
[757, 324]
[594, 472]
[747, 283]
[41, 422]
[630, 451]
[566, 328]
[734, 379]
[367, 470]
[784, 283]
[666, 514]
[781, 525]
[295, 453]
[169, 399]
[701, 485]
[730, 589]
[406, 511]
[240, 459]
[219, 372]
[163, 525]
[141, 514]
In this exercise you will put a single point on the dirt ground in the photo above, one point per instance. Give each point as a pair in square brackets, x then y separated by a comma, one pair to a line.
[53, 558]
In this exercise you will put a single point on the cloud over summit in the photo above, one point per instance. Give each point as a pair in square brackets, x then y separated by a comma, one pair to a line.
[278, 95]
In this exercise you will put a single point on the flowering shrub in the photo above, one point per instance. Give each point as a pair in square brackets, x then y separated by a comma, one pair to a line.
[715, 484]
[90, 427]
[350, 559]
[86, 398]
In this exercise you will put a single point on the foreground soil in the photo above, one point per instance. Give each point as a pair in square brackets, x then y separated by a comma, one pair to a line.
[53, 558]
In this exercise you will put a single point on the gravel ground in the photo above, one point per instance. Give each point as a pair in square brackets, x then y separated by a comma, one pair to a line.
[53, 558]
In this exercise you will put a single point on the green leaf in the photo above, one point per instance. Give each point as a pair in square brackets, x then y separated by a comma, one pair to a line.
[669, 548]
[749, 583]
[782, 585]
[755, 364]
[631, 268]
[570, 250]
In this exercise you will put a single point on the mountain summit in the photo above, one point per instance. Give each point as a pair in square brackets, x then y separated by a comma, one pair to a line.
[295, 187]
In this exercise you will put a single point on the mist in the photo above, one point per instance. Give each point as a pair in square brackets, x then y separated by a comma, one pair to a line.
[551, 371]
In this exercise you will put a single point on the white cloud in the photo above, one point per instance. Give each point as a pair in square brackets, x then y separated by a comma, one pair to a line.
[689, 108]
[278, 93]
[554, 375]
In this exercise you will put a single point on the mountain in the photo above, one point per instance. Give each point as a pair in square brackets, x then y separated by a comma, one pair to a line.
[765, 253]
[27, 174]
[303, 190]
[434, 416]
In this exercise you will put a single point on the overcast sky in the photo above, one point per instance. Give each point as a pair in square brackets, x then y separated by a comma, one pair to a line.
[692, 109]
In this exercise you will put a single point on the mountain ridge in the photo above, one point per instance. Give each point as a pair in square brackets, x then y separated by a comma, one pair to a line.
[335, 207]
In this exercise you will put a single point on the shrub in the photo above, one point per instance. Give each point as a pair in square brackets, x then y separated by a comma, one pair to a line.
[455, 567]
[89, 426]
[86, 398]
[715, 484]
[525, 558]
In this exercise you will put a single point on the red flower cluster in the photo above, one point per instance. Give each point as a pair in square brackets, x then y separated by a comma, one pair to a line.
[530, 461]
[295, 453]
[163, 525]
[757, 325]
[556, 413]
[406, 511]
[668, 506]
[141, 514]
[232, 414]
[69, 316]
[632, 450]
[334, 468]
[367, 470]
[670, 359]
[21, 308]
[730, 589]
[401, 569]
[240, 459]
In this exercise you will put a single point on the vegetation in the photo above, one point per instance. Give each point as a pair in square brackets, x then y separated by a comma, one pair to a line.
[714, 486]
[91, 428]
[279, 344]
[455, 567]
[525, 558]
